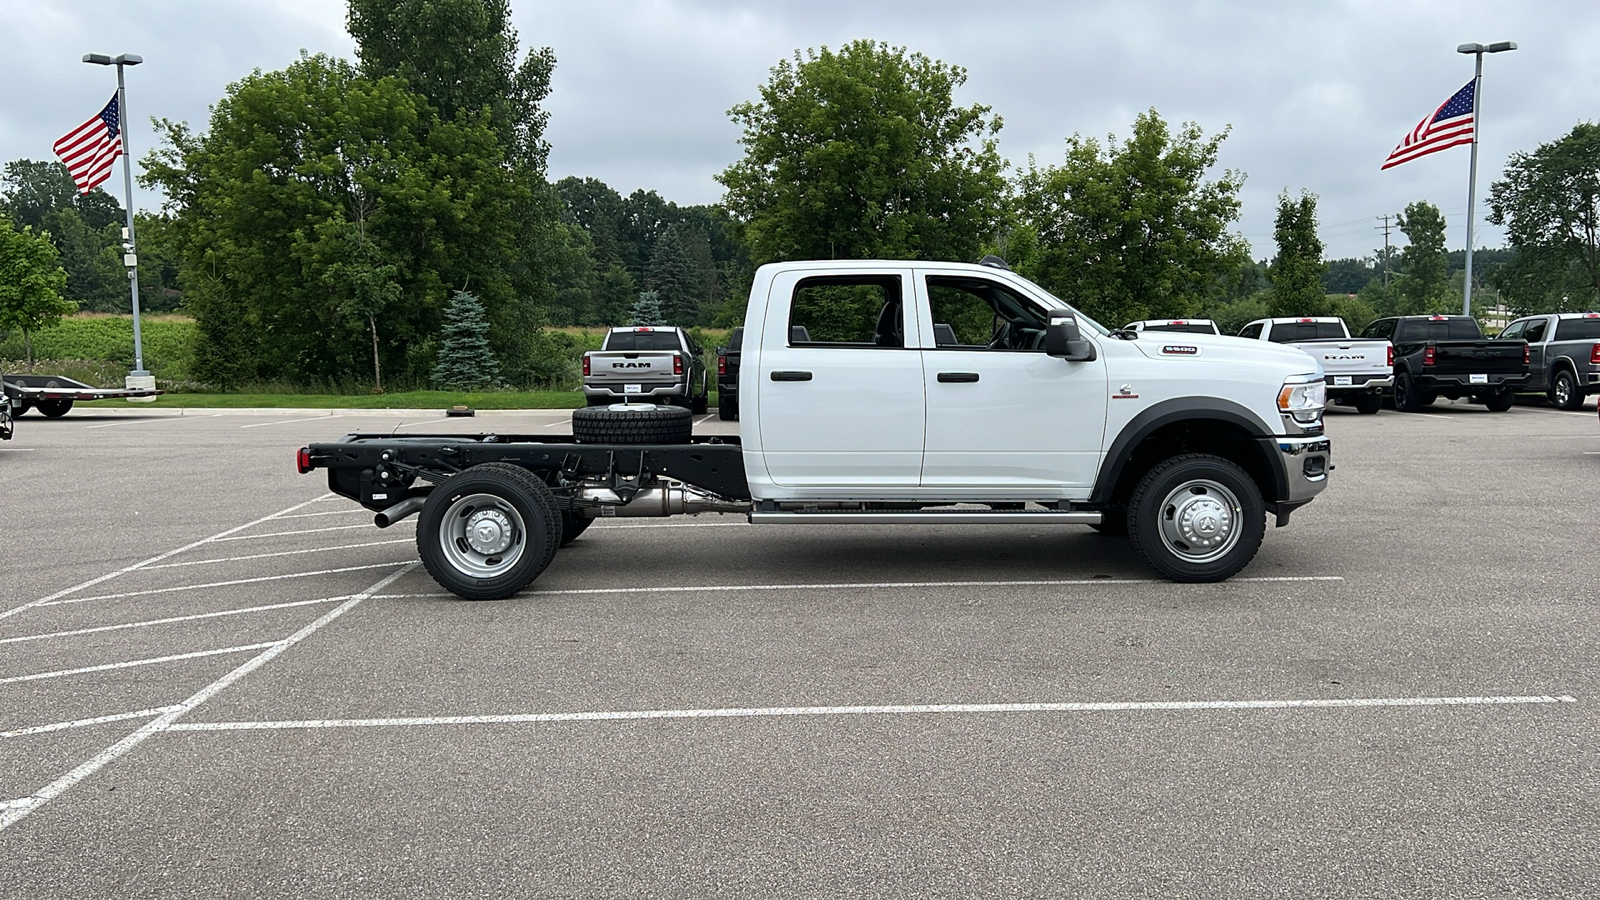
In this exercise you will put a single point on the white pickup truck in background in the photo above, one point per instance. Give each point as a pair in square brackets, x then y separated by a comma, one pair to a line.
[1357, 369]
[892, 393]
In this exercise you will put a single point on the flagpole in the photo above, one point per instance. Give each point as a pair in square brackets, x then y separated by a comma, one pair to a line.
[1477, 50]
[1472, 185]
[138, 378]
[131, 257]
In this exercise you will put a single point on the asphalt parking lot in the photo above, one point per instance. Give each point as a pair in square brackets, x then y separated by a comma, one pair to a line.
[216, 680]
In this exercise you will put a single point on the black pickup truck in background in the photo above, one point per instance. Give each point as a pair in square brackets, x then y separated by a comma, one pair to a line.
[728, 376]
[1448, 356]
[1563, 355]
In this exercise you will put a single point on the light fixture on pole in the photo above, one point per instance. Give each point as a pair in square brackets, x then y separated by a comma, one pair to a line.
[1477, 50]
[138, 378]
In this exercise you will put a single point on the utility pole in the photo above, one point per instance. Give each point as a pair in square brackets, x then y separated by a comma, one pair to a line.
[1385, 218]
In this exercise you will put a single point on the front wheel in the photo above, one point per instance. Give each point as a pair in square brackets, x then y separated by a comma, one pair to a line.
[1499, 402]
[1369, 404]
[1197, 518]
[1564, 391]
[487, 532]
[727, 406]
[54, 409]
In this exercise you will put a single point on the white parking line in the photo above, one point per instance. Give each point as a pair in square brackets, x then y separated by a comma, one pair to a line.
[17, 449]
[157, 558]
[197, 587]
[869, 585]
[206, 562]
[292, 421]
[14, 811]
[335, 512]
[926, 709]
[151, 622]
[61, 673]
[247, 537]
[85, 723]
[147, 421]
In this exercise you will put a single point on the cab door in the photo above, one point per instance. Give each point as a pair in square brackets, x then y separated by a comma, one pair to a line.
[1001, 413]
[840, 381]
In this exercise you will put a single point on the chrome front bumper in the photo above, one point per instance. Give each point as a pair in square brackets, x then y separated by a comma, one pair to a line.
[1306, 462]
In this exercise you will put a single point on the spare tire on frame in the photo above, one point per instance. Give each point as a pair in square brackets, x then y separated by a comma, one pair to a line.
[632, 424]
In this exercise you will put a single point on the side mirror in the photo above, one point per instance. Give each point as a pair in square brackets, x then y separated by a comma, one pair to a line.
[1063, 340]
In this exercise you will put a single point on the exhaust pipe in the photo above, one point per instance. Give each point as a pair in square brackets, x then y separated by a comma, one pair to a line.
[663, 500]
[398, 511]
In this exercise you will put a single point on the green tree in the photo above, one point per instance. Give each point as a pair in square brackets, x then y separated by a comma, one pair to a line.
[1348, 275]
[265, 202]
[30, 284]
[465, 361]
[647, 310]
[1135, 231]
[678, 277]
[864, 153]
[33, 190]
[462, 56]
[1297, 271]
[1424, 287]
[92, 259]
[1549, 202]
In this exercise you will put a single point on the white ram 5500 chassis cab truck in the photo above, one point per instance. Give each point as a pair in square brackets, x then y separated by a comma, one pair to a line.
[892, 392]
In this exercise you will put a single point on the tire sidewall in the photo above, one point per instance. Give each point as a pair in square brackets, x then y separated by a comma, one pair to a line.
[1144, 518]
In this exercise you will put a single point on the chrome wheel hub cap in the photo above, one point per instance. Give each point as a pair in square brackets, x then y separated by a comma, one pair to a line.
[488, 531]
[1200, 521]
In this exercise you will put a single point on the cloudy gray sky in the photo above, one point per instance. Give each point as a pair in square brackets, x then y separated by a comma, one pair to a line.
[1316, 93]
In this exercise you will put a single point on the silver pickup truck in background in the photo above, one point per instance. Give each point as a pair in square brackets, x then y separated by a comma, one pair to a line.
[1357, 369]
[1563, 355]
[653, 364]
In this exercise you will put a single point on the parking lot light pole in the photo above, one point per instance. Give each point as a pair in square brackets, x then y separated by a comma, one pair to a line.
[1477, 50]
[130, 256]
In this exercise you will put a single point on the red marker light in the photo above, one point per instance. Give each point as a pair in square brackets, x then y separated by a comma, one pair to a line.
[722, 365]
[1391, 355]
[1594, 355]
[586, 365]
[1427, 356]
[677, 365]
[302, 460]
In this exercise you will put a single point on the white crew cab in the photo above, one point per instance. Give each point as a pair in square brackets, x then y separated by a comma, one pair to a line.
[885, 392]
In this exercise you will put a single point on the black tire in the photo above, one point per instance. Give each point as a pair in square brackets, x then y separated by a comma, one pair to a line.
[728, 407]
[645, 425]
[1406, 396]
[54, 409]
[1368, 404]
[1564, 391]
[1500, 401]
[572, 525]
[18, 408]
[516, 508]
[1197, 518]
[700, 404]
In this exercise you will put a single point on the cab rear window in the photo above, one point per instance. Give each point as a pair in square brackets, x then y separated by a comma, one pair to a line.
[1304, 331]
[642, 340]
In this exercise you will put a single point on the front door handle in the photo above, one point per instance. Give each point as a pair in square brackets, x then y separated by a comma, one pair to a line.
[957, 377]
[791, 376]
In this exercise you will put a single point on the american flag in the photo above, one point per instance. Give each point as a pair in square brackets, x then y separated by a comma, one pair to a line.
[91, 148]
[1449, 126]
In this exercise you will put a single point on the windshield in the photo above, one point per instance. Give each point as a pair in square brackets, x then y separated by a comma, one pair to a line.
[1058, 303]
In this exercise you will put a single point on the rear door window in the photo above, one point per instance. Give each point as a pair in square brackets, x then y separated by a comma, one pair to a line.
[1585, 329]
[847, 311]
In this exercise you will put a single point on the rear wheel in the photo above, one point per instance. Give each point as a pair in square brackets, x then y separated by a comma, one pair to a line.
[54, 409]
[1406, 397]
[1499, 402]
[700, 404]
[573, 524]
[1564, 391]
[487, 532]
[1197, 518]
[1369, 404]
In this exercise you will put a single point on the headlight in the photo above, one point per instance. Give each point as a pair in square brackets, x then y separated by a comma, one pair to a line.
[1303, 397]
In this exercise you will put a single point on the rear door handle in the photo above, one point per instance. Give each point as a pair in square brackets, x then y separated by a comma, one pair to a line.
[791, 376]
[957, 377]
